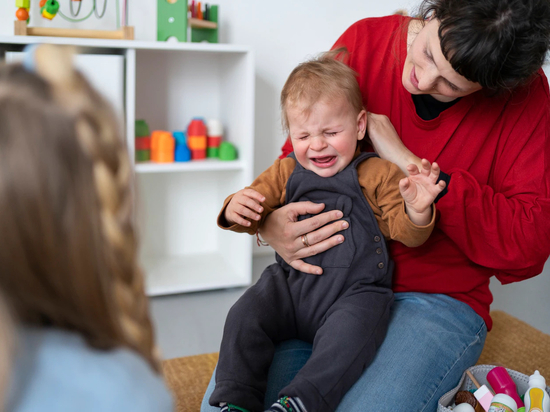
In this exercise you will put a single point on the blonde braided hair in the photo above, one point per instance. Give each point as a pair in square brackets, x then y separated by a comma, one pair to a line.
[97, 133]
[7, 343]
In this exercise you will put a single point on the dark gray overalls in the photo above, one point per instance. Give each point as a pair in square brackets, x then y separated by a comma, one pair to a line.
[344, 312]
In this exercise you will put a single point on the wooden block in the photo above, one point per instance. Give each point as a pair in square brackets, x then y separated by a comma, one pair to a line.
[20, 28]
[124, 33]
[202, 24]
[128, 32]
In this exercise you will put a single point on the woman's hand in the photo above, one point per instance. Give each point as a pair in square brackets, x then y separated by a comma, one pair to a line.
[387, 143]
[290, 238]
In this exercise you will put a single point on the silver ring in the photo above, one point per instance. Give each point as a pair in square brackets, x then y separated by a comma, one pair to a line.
[304, 241]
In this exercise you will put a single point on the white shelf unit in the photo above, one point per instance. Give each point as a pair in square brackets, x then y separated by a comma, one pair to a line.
[167, 84]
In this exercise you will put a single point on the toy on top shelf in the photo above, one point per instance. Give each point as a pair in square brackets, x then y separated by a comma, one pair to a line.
[204, 26]
[172, 20]
[50, 8]
[23, 7]
[175, 16]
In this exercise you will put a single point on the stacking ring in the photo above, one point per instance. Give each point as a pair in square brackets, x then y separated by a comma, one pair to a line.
[304, 241]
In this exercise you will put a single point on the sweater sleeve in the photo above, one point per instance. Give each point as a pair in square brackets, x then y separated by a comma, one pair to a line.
[505, 225]
[379, 180]
[272, 184]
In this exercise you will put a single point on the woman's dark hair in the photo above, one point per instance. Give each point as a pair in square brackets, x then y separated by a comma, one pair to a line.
[499, 44]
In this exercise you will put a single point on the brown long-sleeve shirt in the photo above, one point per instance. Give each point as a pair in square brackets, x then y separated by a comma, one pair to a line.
[379, 181]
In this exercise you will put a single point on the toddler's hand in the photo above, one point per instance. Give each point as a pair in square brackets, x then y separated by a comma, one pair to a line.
[421, 188]
[244, 204]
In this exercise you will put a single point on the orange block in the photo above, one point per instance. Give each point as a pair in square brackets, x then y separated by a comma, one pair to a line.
[163, 146]
[196, 142]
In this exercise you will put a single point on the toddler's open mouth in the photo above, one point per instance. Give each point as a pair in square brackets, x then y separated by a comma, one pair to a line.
[323, 161]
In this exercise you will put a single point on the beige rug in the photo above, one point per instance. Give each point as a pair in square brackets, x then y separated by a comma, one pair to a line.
[511, 343]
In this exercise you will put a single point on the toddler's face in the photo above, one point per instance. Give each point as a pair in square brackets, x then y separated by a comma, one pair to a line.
[325, 138]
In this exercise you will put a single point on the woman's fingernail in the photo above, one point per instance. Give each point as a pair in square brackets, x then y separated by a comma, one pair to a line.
[340, 239]
[260, 209]
[318, 271]
[345, 225]
[339, 214]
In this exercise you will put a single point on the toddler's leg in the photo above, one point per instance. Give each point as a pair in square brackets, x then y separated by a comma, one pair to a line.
[344, 345]
[431, 340]
[263, 316]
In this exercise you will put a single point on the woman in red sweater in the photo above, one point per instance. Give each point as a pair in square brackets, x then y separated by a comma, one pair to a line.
[462, 87]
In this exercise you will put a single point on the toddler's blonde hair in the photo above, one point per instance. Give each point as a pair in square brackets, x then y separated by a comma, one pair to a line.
[325, 77]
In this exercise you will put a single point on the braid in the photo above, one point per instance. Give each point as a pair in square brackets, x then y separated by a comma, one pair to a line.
[97, 133]
[7, 344]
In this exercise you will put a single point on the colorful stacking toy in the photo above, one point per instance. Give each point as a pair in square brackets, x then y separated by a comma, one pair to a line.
[196, 138]
[143, 141]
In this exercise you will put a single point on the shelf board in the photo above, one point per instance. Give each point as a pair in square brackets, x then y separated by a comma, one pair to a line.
[128, 44]
[206, 165]
[166, 275]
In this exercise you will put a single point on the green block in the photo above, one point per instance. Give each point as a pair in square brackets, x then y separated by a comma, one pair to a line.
[143, 155]
[209, 35]
[142, 129]
[212, 152]
[51, 7]
[227, 151]
[26, 4]
[172, 20]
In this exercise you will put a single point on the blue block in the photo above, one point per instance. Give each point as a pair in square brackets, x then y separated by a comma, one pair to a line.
[180, 136]
[182, 154]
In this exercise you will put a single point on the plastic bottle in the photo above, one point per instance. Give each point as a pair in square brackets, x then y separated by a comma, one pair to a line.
[503, 403]
[536, 398]
[501, 382]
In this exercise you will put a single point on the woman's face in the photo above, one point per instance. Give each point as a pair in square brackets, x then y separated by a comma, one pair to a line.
[426, 71]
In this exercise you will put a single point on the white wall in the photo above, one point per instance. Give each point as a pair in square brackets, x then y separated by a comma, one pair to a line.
[282, 34]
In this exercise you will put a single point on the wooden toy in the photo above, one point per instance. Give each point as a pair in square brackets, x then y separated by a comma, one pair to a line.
[162, 146]
[213, 137]
[142, 141]
[196, 138]
[50, 9]
[227, 151]
[172, 20]
[22, 14]
[179, 136]
[205, 30]
[175, 16]
[141, 128]
[23, 7]
[182, 154]
[143, 149]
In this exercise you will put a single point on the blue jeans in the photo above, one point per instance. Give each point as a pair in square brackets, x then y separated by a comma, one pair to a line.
[431, 340]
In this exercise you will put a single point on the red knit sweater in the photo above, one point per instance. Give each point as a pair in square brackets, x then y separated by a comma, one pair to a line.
[495, 219]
